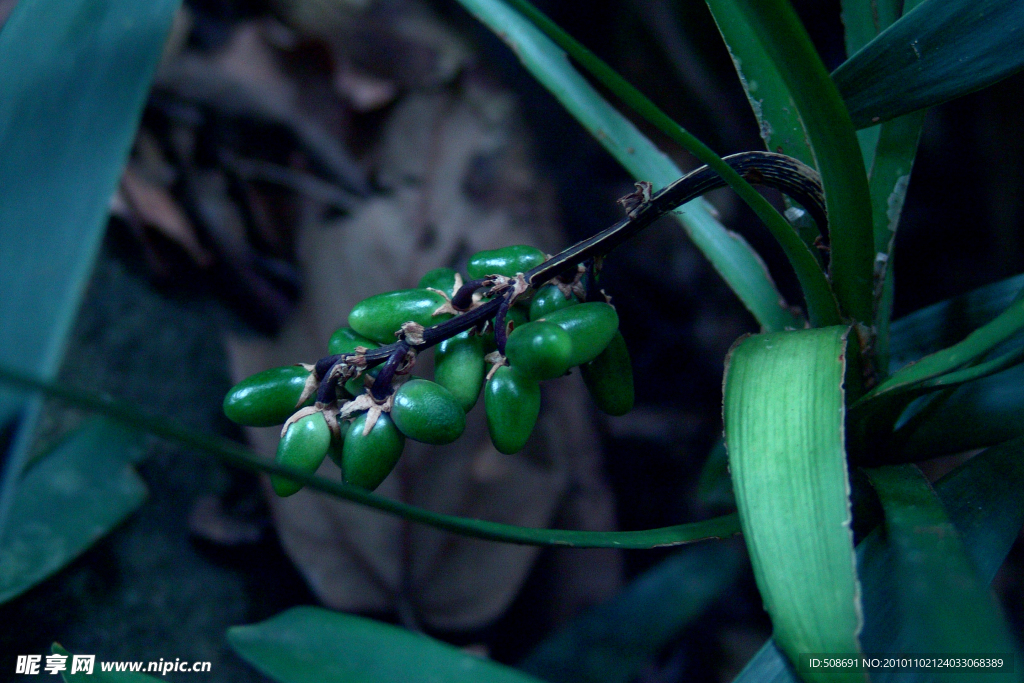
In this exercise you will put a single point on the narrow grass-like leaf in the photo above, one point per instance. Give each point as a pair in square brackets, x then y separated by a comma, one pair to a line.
[836, 150]
[234, 454]
[612, 642]
[943, 324]
[731, 256]
[976, 415]
[822, 308]
[945, 606]
[977, 344]
[984, 499]
[97, 675]
[940, 50]
[784, 410]
[74, 76]
[782, 128]
[314, 645]
[66, 502]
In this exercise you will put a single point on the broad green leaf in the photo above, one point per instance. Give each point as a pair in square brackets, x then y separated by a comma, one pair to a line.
[731, 257]
[612, 642]
[234, 454]
[313, 645]
[784, 410]
[984, 499]
[943, 324]
[940, 50]
[74, 76]
[778, 30]
[97, 675]
[66, 502]
[944, 605]
[822, 308]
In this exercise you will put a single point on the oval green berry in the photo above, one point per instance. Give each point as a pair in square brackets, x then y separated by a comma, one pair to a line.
[506, 261]
[609, 377]
[304, 446]
[346, 340]
[512, 401]
[267, 398]
[549, 299]
[591, 326]
[380, 316]
[425, 411]
[541, 350]
[459, 367]
[367, 459]
[439, 278]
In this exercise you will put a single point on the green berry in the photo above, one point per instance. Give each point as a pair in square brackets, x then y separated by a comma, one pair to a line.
[591, 326]
[512, 402]
[337, 445]
[549, 299]
[426, 411]
[366, 460]
[609, 377]
[506, 261]
[303, 447]
[439, 278]
[357, 384]
[541, 350]
[459, 367]
[267, 398]
[517, 316]
[345, 340]
[380, 316]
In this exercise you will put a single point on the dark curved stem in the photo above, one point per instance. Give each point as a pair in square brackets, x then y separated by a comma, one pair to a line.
[783, 173]
[500, 333]
[381, 387]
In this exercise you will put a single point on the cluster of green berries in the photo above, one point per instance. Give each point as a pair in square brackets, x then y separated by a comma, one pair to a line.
[546, 333]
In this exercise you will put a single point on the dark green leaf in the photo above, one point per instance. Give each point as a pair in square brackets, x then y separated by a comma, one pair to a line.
[977, 344]
[975, 415]
[775, 26]
[948, 322]
[944, 605]
[612, 642]
[97, 675]
[233, 454]
[784, 411]
[940, 50]
[67, 501]
[984, 499]
[313, 645]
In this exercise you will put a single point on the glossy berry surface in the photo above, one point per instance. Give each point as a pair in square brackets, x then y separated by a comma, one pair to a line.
[512, 402]
[367, 459]
[267, 398]
[304, 446]
[425, 411]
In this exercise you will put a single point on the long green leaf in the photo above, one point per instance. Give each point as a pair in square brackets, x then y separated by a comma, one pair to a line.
[975, 415]
[782, 128]
[314, 645]
[612, 642]
[945, 606]
[940, 50]
[234, 454]
[66, 502]
[977, 344]
[97, 675]
[822, 308]
[74, 76]
[784, 410]
[832, 139]
[943, 324]
[731, 257]
[984, 499]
